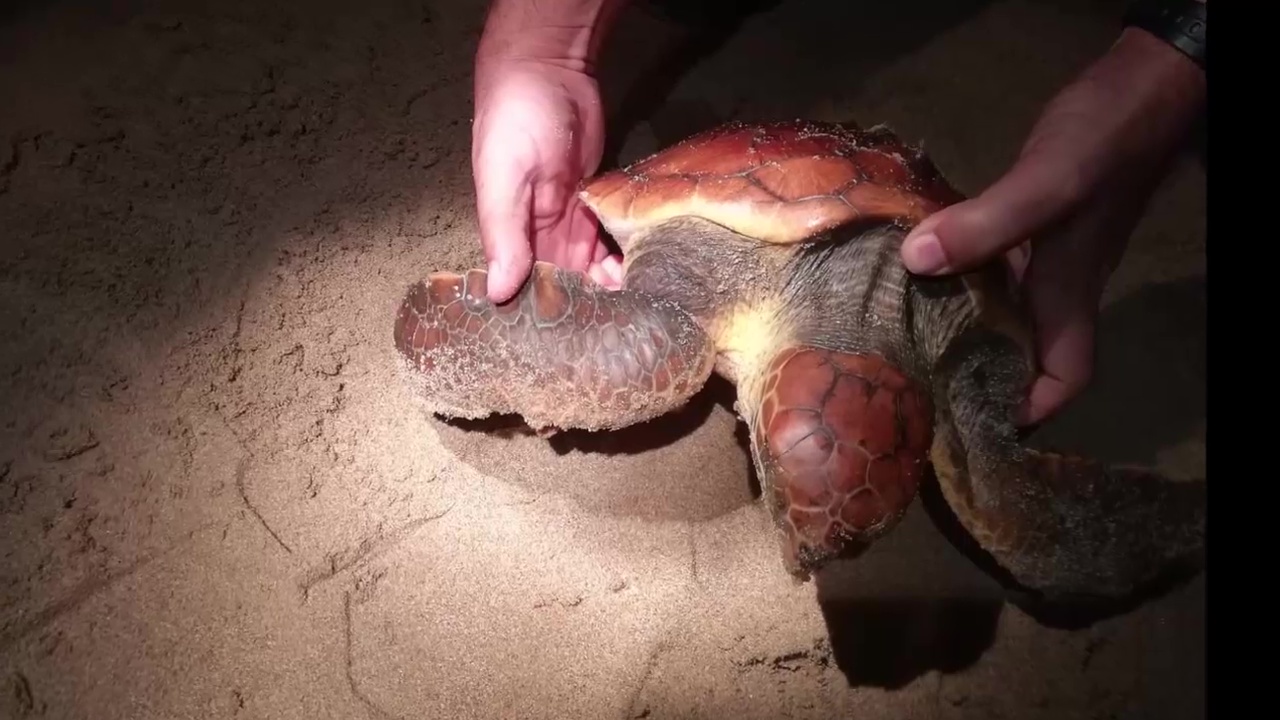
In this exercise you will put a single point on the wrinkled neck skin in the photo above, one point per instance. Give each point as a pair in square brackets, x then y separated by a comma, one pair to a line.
[847, 292]
[853, 294]
[705, 268]
[730, 284]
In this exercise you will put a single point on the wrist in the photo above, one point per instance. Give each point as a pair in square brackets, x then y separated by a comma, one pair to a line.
[564, 33]
[1168, 81]
[1179, 24]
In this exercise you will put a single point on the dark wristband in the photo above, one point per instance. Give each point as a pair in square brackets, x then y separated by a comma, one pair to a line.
[1180, 23]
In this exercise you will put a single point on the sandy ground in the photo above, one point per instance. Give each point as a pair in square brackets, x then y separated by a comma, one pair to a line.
[217, 502]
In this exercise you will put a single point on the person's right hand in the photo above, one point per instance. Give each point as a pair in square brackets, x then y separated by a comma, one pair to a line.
[539, 130]
[1084, 178]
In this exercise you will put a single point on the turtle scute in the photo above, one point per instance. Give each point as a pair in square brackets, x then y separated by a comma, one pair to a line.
[563, 353]
[779, 182]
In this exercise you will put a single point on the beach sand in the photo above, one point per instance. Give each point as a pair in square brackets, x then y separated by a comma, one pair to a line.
[218, 500]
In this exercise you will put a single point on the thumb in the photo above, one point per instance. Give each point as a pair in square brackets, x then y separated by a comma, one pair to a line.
[503, 204]
[1030, 198]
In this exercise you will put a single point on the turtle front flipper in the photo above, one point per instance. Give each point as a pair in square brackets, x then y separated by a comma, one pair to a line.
[840, 441]
[564, 353]
[1065, 527]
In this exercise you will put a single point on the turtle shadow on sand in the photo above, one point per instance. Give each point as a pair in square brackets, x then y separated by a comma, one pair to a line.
[635, 439]
[631, 440]
[889, 642]
[713, 472]
[1148, 394]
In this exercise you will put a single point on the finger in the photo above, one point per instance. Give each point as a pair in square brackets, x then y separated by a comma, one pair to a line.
[607, 272]
[605, 269]
[1064, 313]
[600, 253]
[612, 267]
[597, 275]
[609, 261]
[583, 236]
[561, 236]
[1036, 193]
[1068, 369]
[504, 195]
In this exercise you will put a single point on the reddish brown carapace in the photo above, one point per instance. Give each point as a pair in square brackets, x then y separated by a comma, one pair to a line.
[779, 182]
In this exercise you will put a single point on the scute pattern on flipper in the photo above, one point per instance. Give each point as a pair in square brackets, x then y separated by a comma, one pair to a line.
[842, 442]
[780, 182]
[564, 353]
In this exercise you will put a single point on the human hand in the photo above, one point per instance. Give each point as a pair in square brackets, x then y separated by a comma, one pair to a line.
[538, 131]
[1085, 174]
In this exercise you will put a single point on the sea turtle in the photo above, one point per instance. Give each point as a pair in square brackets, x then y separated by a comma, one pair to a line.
[768, 253]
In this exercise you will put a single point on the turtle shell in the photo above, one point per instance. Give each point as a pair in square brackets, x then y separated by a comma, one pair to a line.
[780, 182]
[787, 182]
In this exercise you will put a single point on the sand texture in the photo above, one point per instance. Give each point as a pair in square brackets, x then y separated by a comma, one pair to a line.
[217, 500]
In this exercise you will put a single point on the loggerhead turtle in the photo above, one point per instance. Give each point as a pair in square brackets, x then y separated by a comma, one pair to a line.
[768, 253]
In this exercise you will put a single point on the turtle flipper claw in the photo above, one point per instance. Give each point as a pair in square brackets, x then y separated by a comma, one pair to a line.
[563, 353]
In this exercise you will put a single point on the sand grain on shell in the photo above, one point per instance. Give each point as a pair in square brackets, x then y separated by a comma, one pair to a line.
[218, 499]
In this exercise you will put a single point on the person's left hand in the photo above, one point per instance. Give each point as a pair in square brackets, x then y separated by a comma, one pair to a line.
[1076, 193]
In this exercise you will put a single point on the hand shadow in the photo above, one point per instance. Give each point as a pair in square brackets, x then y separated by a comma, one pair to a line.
[808, 43]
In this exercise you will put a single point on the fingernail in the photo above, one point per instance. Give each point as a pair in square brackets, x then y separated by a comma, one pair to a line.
[924, 255]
